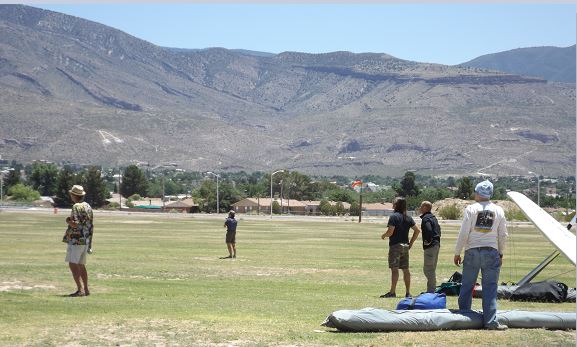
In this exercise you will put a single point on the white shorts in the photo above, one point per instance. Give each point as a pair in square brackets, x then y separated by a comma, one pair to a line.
[76, 254]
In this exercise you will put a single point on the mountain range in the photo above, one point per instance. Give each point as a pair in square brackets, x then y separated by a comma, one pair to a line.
[72, 90]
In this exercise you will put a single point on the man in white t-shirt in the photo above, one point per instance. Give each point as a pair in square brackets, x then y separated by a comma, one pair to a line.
[483, 235]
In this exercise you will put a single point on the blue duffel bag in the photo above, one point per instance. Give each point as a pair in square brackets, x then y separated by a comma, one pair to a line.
[423, 301]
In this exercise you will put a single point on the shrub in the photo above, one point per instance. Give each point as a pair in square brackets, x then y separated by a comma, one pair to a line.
[326, 208]
[20, 192]
[452, 212]
[275, 207]
[355, 209]
[339, 209]
[135, 197]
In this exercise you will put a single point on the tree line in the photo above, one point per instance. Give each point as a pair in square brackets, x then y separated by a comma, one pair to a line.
[48, 179]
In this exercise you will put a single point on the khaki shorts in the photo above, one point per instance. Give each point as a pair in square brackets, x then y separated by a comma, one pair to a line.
[399, 256]
[76, 254]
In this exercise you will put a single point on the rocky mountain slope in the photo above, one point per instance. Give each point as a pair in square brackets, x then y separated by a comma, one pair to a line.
[75, 90]
[550, 63]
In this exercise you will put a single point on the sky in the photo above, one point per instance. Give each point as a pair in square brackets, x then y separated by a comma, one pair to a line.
[444, 33]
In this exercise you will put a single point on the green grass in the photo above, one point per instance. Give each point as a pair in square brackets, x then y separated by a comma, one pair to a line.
[157, 280]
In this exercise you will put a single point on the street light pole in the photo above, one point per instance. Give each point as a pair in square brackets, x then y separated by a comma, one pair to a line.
[272, 174]
[281, 204]
[119, 193]
[538, 188]
[217, 196]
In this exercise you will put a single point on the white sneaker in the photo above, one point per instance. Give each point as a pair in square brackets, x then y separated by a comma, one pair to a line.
[497, 327]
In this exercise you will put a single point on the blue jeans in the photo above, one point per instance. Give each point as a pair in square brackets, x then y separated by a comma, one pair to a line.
[487, 260]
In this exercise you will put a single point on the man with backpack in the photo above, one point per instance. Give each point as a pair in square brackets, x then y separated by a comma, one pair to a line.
[431, 243]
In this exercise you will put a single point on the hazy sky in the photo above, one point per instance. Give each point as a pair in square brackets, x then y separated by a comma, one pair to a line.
[425, 32]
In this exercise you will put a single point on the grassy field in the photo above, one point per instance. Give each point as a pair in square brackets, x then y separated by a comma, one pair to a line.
[158, 280]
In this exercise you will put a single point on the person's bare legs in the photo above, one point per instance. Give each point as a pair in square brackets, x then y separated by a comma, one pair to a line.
[233, 250]
[407, 280]
[394, 280]
[230, 247]
[84, 277]
[74, 268]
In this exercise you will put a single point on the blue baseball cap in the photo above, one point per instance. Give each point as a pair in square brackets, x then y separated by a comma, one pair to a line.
[484, 189]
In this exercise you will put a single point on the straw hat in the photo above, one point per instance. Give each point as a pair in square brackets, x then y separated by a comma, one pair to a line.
[77, 190]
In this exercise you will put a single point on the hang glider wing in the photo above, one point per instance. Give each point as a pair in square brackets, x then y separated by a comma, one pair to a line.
[556, 233]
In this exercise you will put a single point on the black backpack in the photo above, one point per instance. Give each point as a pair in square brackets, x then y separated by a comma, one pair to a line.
[456, 277]
[452, 287]
[545, 291]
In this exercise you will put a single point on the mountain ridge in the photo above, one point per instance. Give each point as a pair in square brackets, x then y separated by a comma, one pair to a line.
[219, 109]
[547, 62]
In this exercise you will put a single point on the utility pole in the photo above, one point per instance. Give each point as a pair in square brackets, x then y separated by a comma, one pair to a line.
[360, 203]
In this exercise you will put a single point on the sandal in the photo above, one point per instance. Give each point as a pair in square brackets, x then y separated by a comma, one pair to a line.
[388, 295]
[76, 294]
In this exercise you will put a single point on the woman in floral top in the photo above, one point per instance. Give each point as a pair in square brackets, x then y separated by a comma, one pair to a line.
[78, 236]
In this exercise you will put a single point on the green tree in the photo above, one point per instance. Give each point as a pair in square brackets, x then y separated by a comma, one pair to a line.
[155, 187]
[407, 186]
[66, 179]
[207, 194]
[228, 195]
[133, 182]
[12, 179]
[171, 187]
[300, 186]
[44, 178]
[465, 189]
[95, 187]
[20, 192]
[342, 195]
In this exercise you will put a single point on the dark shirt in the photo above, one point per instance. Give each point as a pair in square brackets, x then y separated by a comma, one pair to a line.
[402, 225]
[230, 225]
[431, 230]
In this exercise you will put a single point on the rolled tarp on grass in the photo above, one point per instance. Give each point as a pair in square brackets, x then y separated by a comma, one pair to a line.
[374, 319]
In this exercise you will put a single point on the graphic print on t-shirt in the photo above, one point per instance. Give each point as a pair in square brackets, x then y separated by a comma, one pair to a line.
[484, 221]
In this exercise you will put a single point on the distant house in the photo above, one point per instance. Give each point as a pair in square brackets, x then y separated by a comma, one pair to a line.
[262, 206]
[551, 192]
[184, 206]
[312, 206]
[378, 209]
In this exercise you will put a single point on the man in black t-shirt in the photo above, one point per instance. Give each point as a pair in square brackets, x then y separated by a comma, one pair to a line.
[399, 245]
